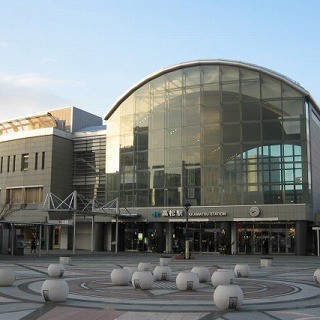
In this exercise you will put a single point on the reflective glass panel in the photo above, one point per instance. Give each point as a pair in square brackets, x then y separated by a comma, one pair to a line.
[210, 114]
[250, 90]
[271, 110]
[173, 137]
[230, 112]
[158, 120]
[230, 92]
[211, 134]
[251, 110]
[210, 74]
[270, 88]
[174, 80]
[231, 133]
[174, 118]
[251, 132]
[192, 135]
[288, 92]
[192, 155]
[229, 74]
[192, 115]
[192, 76]
[292, 107]
[212, 155]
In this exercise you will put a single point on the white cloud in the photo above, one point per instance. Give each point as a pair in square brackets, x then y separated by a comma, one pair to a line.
[34, 80]
[29, 93]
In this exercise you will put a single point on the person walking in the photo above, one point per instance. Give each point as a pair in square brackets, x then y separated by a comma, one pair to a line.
[33, 245]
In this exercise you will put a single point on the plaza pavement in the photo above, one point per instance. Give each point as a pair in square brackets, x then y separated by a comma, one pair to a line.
[284, 291]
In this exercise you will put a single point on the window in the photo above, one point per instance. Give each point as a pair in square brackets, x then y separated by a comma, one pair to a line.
[1, 165]
[25, 162]
[25, 195]
[33, 195]
[8, 164]
[14, 163]
[43, 160]
[36, 161]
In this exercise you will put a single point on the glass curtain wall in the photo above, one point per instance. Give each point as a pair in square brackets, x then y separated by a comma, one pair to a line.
[212, 134]
[89, 167]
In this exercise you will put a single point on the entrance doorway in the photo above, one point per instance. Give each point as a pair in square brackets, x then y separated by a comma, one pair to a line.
[265, 238]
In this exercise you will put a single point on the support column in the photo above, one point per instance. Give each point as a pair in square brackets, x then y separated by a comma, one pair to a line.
[92, 234]
[74, 221]
[301, 238]
[169, 232]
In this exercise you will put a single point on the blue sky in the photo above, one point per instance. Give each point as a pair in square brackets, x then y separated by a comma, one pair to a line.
[88, 53]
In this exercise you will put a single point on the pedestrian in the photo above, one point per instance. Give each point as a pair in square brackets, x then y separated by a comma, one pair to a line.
[33, 245]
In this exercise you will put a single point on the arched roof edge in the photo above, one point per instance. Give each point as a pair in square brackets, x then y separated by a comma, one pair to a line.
[196, 63]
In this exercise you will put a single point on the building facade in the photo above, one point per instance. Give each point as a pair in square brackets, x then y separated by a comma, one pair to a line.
[36, 159]
[235, 140]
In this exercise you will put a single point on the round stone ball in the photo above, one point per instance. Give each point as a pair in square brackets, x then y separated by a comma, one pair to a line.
[120, 277]
[242, 270]
[222, 276]
[162, 273]
[228, 296]
[165, 261]
[131, 270]
[316, 276]
[55, 290]
[142, 280]
[202, 272]
[187, 281]
[56, 270]
[144, 266]
[7, 277]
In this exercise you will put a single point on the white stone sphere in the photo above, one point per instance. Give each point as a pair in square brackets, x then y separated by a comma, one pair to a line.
[165, 261]
[144, 266]
[142, 280]
[55, 290]
[131, 270]
[228, 296]
[120, 277]
[162, 273]
[242, 270]
[316, 276]
[202, 272]
[65, 260]
[187, 281]
[56, 270]
[7, 277]
[222, 276]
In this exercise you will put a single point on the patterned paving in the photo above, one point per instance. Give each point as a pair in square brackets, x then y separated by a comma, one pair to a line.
[285, 291]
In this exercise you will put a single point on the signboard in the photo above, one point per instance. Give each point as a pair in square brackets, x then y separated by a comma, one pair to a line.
[176, 213]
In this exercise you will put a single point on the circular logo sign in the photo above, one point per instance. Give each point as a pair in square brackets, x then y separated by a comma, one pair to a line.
[254, 211]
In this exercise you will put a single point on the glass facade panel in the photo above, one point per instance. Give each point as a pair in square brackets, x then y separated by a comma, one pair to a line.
[210, 114]
[214, 134]
[251, 132]
[192, 115]
[230, 92]
[251, 110]
[231, 133]
[270, 88]
[230, 112]
[250, 90]
[211, 134]
[210, 74]
[229, 74]
[292, 108]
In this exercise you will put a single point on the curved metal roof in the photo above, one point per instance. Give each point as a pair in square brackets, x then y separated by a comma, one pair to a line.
[195, 63]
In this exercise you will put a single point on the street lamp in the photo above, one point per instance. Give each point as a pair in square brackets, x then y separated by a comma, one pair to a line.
[187, 206]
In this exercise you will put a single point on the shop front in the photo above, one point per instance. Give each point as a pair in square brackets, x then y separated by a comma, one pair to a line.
[265, 237]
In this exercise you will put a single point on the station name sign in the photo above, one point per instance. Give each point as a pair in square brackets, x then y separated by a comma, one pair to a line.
[180, 213]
